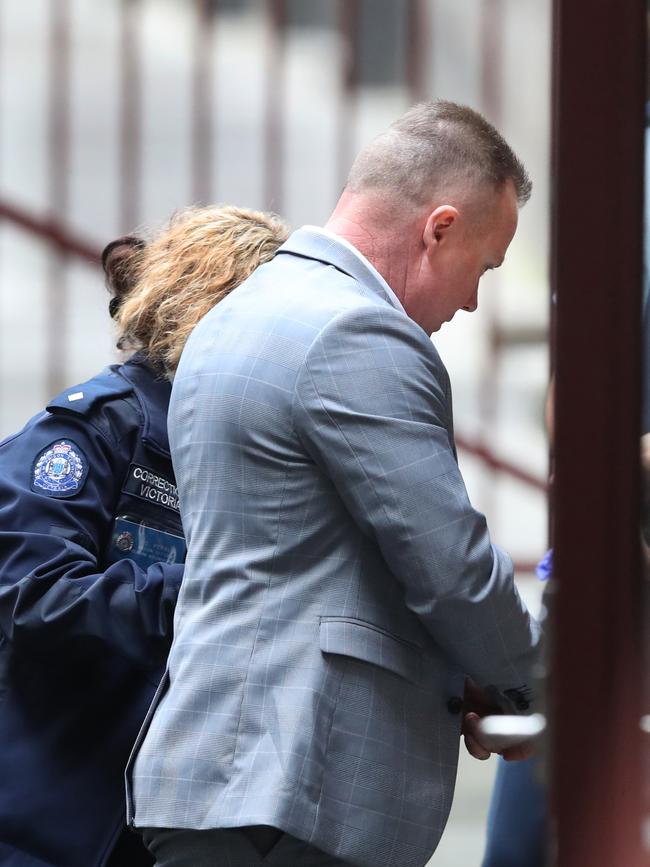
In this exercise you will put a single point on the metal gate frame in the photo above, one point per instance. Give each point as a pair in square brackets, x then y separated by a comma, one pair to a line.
[597, 681]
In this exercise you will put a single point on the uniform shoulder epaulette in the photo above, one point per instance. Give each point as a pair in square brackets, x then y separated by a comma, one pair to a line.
[82, 398]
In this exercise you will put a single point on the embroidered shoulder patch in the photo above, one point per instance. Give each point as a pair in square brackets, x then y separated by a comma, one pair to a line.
[60, 470]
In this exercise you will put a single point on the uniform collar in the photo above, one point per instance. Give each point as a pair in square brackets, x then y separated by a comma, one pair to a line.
[153, 393]
[312, 242]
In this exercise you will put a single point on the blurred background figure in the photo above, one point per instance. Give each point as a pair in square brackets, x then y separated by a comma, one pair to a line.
[518, 819]
[93, 549]
[117, 112]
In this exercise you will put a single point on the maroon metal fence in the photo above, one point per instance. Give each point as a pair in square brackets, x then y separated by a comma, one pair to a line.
[348, 21]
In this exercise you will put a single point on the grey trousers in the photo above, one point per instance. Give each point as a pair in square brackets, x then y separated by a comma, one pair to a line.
[233, 847]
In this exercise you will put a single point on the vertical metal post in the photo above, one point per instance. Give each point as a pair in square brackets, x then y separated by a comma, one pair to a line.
[596, 231]
[349, 32]
[130, 117]
[491, 90]
[418, 42]
[203, 101]
[275, 100]
[491, 57]
[58, 174]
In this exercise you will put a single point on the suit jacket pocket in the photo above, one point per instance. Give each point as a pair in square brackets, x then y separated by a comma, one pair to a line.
[347, 636]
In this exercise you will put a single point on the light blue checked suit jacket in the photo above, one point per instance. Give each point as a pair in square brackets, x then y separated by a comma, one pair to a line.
[338, 583]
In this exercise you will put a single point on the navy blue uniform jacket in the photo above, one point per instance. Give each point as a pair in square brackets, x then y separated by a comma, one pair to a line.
[90, 565]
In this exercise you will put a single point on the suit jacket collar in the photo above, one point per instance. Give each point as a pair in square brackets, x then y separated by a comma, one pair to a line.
[313, 244]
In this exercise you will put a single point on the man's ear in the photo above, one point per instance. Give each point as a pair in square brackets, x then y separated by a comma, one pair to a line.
[438, 225]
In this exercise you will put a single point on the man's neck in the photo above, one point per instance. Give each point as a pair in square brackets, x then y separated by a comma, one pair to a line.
[371, 225]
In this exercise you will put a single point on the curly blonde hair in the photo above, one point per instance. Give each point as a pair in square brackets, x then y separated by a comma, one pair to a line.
[172, 280]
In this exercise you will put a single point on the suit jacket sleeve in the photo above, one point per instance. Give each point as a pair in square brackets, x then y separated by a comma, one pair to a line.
[372, 408]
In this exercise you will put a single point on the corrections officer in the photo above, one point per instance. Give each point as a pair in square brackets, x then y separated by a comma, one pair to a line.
[92, 550]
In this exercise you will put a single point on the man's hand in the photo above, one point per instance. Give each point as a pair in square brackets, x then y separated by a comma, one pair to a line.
[477, 704]
[471, 736]
[479, 750]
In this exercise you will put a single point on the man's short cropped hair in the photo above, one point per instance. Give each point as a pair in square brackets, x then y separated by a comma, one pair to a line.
[438, 146]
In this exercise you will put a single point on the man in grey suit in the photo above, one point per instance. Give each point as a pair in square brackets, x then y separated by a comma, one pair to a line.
[339, 586]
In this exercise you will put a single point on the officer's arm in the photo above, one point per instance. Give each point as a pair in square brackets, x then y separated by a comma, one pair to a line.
[372, 408]
[52, 584]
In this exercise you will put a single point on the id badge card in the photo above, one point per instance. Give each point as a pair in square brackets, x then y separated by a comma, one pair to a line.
[144, 545]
